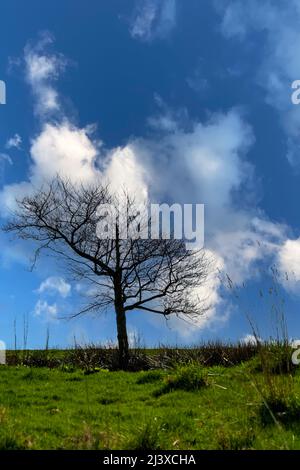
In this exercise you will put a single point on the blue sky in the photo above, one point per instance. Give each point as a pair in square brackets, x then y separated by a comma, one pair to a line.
[187, 101]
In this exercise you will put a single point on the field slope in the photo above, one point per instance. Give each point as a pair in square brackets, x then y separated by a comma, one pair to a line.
[204, 408]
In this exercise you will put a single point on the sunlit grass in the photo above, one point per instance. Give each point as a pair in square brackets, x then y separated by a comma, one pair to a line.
[44, 408]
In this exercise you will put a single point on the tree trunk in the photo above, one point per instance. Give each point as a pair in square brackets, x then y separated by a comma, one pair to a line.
[122, 336]
[120, 311]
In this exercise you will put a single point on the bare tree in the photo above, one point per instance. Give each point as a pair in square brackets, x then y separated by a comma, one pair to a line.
[159, 276]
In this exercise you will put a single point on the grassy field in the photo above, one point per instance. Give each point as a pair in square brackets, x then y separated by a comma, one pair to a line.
[188, 407]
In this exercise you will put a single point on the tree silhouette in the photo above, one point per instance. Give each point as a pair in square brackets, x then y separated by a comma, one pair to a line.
[158, 276]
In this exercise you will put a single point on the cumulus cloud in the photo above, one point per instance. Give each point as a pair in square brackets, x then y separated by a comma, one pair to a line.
[182, 160]
[277, 23]
[61, 147]
[55, 284]
[206, 155]
[64, 149]
[46, 311]
[123, 169]
[206, 162]
[14, 142]
[153, 19]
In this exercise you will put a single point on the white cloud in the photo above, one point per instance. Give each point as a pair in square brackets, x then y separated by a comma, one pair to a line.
[63, 149]
[247, 243]
[205, 162]
[10, 193]
[70, 151]
[5, 158]
[41, 70]
[55, 284]
[278, 26]
[153, 19]
[59, 149]
[14, 142]
[209, 295]
[142, 24]
[192, 161]
[135, 339]
[46, 311]
[123, 169]
[250, 339]
[289, 265]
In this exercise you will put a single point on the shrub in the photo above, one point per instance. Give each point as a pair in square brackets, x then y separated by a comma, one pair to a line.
[280, 408]
[149, 377]
[188, 378]
[91, 357]
[274, 358]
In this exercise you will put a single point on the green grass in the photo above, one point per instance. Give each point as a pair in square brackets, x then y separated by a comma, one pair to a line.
[212, 408]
